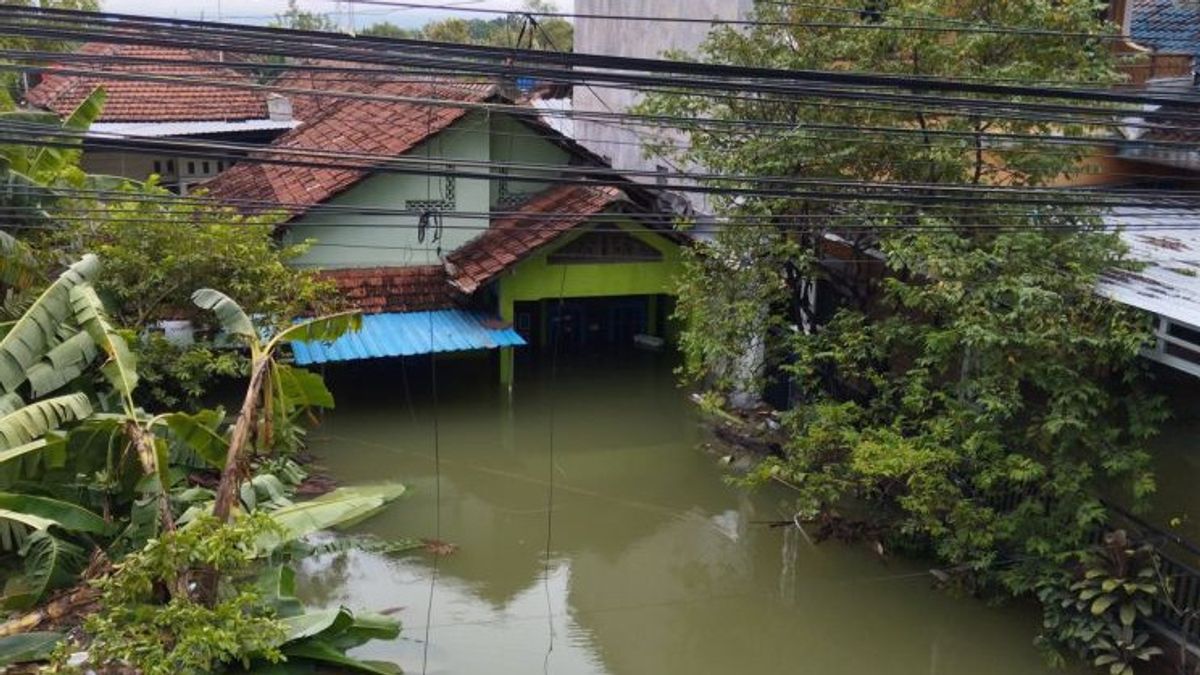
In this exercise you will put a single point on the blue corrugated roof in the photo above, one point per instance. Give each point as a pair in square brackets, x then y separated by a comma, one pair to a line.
[409, 334]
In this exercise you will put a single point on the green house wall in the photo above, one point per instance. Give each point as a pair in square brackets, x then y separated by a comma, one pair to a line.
[349, 240]
[537, 279]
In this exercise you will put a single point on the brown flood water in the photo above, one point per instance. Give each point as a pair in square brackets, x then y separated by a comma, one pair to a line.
[657, 564]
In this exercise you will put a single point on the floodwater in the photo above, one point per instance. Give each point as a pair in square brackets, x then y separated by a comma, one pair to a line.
[657, 564]
[1176, 453]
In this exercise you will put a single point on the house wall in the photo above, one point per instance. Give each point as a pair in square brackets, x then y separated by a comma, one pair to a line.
[352, 240]
[513, 141]
[348, 240]
[537, 279]
[621, 143]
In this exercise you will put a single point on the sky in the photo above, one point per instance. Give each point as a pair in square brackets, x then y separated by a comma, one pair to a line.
[261, 11]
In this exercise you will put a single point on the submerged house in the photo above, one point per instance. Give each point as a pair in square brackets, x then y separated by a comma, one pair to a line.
[459, 221]
[160, 93]
[1167, 154]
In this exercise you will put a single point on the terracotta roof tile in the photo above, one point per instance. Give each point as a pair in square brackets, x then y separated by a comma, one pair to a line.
[396, 289]
[150, 101]
[347, 126]
[511, 238]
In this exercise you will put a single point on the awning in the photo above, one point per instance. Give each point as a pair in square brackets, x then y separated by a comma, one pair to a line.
[1167, 242]
[409, 334]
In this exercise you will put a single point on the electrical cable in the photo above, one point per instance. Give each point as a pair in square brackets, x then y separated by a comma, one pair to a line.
[577, 60]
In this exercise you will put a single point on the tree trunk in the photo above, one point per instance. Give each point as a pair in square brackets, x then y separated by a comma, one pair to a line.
[143, 444]
[230, 477]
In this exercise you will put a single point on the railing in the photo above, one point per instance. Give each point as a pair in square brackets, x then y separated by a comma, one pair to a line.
[1158, 67]
[1176, 615]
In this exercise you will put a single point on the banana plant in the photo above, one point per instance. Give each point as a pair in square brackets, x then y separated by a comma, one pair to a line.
[33, 171]
[276, 388]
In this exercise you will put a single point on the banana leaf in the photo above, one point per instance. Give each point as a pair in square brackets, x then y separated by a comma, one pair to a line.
[230, 315]
[341, 508]
[50, 563]
[62, 364]
[28, 647]
[40, 513]
[121, 367]
[27, 424]
[36, 331]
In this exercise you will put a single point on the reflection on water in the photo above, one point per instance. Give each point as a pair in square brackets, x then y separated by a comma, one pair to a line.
[1176, 453]
[657, 564]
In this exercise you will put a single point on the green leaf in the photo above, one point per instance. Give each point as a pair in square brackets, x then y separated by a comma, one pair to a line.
[1102, 603]
[28, 647]
[29, 338]
[18, 265]
[231, 316]
[196, 432]
[310, 624]
[42, 512]
[322, 652]
[52, 160]
[343, 507]
[29, 423]
[50, 563]
[121, 367]
[322, 329]
[62, 364]
[1128, 613]
[21, 450]
[303, 389]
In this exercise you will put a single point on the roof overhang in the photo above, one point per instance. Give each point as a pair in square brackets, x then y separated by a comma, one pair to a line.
[411, 334]
[1167, 243]
[192, 128]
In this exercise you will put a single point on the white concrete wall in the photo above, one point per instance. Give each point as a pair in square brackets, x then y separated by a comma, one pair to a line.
[621, 142]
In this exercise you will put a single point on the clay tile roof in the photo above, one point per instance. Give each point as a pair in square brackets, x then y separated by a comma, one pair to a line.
[1167, 25]
[511, 238]
[131, 100]
[346, 126]
[396, 289]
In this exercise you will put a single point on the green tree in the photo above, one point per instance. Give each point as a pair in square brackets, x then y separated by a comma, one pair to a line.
[298, 19]
[12, 81]
[157, 250]
[971, 396]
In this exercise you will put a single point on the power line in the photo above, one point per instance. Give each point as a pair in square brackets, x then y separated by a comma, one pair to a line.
[986, 29]
[743, 74]
[448, 167]
[664, 121]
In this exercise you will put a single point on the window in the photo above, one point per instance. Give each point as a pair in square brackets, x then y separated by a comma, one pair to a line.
[445, 201]
[158, 167]
[605, 247]
[205, 167]
[662, 171]
[191, 168]
[170, 166]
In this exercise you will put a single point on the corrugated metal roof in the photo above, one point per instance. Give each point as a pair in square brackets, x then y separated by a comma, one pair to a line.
[1169, 243]
[160, 129]
[409, 334]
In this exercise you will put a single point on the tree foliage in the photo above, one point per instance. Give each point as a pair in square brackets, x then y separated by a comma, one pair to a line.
[959, 385]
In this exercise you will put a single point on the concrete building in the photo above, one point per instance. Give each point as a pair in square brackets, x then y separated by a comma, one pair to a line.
[619, 142]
